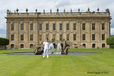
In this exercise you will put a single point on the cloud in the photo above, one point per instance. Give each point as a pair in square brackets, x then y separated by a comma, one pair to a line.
[2, 33]
[112, 31]
[63, 3]
[2, 19]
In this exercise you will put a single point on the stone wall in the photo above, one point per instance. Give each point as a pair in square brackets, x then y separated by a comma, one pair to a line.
[64, 18]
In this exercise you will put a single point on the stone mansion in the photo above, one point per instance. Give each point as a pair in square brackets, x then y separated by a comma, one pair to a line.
[88, 29]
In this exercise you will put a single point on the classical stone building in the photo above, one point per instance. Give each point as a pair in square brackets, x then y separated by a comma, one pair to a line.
[80, 29]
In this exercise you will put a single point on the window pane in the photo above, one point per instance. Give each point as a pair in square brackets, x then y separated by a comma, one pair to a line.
[22, 26]
[12, 46]
[67, 27]
[40, 37]
[60, 36]
[74, 36]
[40, 26]
[31, 26]
[22, 37]
[47, 36]
[61, 27]
[103, 45]
[74, 27]
[93, 26]
[93, 45]
[31, 37]
[12, 27]
[83, 26]
[84, 45]
[67, 36]
[31, 45]
[22, 46]
[93, 36]
[12, 37]
[103, 26]
[83, 36]
[47, 26]
[54, 26]
[54, 37]
[103, 36]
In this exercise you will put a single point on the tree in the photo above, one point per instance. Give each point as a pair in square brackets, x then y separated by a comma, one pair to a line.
[4, 42]
[110, 41]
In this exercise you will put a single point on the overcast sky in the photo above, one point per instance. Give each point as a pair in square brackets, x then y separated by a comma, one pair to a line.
[53, 4]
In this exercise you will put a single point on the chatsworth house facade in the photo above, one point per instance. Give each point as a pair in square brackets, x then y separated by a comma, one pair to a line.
[88, 29]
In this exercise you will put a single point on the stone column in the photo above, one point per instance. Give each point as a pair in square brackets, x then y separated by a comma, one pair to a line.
[26, 34]
[16, 35]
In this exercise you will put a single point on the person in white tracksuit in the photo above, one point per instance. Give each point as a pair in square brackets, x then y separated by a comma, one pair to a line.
[46, 48]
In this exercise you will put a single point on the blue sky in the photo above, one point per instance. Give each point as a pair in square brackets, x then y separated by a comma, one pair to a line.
[53, 4]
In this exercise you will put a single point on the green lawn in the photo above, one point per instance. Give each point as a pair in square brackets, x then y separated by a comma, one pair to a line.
[58, 65]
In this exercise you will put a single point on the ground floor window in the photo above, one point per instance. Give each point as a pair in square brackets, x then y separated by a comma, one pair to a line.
[31, 45]
[67, 36]
[40, 37]
[12, 46]
[22, 46]
[54, 37]
[103, 45]
[61, 37]
[22, 37]
[47, 36]
[74, 36]
[93, 45]
[31, 37]
[84, 45]
[12, 37]
[83, 37]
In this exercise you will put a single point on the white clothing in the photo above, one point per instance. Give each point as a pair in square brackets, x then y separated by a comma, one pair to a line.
[46, 48]
[46, 45]
[45, 53]
[59, 48]
[51, 46]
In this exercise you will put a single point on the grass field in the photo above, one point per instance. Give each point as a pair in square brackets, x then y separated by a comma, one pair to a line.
[58, 65]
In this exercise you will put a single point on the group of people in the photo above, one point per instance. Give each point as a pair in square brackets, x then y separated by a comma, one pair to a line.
[49, 46]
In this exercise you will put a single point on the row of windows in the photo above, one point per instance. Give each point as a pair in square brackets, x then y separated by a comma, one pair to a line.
[67, 26]
[22, 37]
[21, 27]
[93, 37]
[60, 27]
[84, 45]
[93, 45]
[22, 46]
[60, 37]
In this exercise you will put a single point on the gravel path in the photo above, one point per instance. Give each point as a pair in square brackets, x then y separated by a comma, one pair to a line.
[70, 53]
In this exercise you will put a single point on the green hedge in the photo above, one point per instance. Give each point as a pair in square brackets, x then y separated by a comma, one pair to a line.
[110, 41]
[4, 41]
